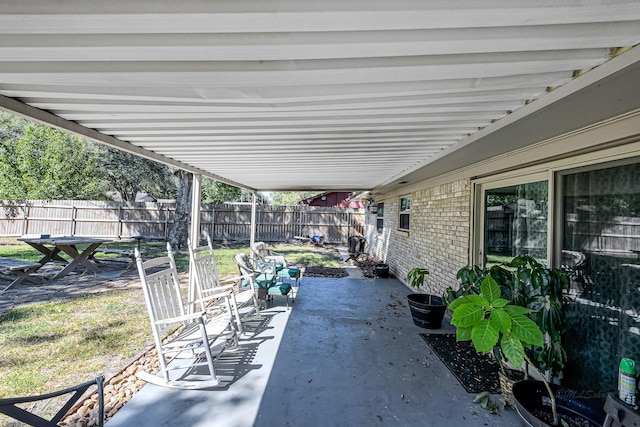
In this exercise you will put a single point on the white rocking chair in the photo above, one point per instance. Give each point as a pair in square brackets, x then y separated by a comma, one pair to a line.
[208, 285]
[191, 351]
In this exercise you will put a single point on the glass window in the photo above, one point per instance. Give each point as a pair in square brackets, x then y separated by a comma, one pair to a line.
[516, 222]
[405, 212]
[601, 253]
[380, 218]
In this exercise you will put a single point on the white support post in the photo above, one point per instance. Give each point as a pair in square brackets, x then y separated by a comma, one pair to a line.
[194, 234]
[252, 235]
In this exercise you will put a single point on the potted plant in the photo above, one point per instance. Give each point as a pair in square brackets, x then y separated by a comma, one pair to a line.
[470, 278]
[427, 310]
[496, 324]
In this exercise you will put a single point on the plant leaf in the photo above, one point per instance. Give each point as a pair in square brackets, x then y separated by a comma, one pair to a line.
[500, 302]
[458, 301]
[526, 330]
[500, 320]
[484, 336]
[512, 349]
[467, 315]
[478, 300]
[483, 395]
[515, 310]
[463, 334]
[490, 289]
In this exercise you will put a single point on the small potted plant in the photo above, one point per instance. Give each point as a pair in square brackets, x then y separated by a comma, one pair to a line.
[427, 310]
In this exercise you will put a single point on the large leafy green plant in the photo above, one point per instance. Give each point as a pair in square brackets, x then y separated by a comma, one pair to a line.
[488, 320]
[491, 322]
[526, 282]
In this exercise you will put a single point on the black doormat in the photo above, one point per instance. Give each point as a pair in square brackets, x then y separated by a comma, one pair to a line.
[475, 372]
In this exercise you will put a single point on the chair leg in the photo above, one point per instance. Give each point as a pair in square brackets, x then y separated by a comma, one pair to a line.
[207, 350]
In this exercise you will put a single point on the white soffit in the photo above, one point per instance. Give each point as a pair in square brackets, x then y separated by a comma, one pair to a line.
[293, 95]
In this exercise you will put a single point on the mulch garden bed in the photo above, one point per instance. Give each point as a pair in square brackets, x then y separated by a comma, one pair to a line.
[475, 372]
[320, 271]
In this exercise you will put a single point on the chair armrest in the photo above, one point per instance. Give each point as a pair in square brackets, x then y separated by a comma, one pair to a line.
[236, 278]
[218, 290]
[184, 318]
[267, 266]
[211, 294]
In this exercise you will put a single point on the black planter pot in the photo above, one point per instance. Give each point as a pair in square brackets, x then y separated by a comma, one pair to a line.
[381, 270]
[427, 310]
[531, 396]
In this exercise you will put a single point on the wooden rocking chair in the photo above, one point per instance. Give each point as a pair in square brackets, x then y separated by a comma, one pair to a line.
[208, 285]
[201, 338]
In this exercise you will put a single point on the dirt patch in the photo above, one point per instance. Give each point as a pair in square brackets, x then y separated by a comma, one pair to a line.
[366, 265]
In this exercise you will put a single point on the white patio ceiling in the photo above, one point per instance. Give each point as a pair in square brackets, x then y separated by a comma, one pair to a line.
[293, 95]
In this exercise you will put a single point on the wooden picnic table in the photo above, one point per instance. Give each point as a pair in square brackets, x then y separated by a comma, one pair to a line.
[51, 247]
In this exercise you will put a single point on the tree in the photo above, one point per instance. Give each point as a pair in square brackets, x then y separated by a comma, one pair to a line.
[182, 215]
[219, 192]
[290, 198]
[129, 175]
[38, 162]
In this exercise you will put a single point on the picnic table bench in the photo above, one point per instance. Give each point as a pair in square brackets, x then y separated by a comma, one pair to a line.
[125, 253]
[139, 239]
[20, 268]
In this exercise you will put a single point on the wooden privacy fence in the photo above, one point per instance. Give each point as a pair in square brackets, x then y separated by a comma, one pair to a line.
[227, 222]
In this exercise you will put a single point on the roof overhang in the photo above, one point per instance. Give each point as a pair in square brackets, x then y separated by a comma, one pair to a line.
[296, 95]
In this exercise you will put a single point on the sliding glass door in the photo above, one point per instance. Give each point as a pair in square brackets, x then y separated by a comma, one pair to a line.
[514, 220]
[601, 252]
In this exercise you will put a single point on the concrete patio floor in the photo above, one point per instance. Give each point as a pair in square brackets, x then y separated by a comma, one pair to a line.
[346, 354]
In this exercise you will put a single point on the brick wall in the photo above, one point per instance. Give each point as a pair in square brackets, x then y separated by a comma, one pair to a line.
[438, 238]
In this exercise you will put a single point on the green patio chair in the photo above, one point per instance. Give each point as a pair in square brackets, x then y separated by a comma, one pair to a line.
[261, 277]
[275, 261]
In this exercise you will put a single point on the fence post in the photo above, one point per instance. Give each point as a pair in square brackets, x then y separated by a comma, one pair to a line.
[258, 224]
[119, 223]
[72, 225]
[300, 221]
[166, 223]
[213, 223]
[24, 218]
